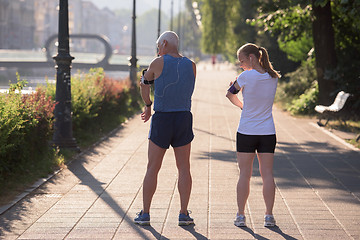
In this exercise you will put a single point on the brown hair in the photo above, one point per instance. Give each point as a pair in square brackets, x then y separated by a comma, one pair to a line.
[262, 55]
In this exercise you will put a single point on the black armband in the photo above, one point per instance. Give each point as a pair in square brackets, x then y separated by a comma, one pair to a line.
[143, 79]
[232, 89]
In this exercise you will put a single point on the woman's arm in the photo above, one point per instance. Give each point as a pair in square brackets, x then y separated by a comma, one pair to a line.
[232, 95]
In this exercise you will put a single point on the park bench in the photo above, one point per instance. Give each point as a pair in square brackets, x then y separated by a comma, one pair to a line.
[332, 111]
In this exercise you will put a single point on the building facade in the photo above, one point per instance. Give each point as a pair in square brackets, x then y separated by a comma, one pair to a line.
[28, 24]
[17, 24]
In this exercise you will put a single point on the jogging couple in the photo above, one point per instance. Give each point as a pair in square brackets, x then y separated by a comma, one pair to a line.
[173, 76]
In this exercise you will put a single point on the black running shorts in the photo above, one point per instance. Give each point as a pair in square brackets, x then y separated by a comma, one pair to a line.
[252, 143]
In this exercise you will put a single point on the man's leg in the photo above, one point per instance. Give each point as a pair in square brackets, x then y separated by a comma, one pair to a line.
[155, 155]
[182, 155]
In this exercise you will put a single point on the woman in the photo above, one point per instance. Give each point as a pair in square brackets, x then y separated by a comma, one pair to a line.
[256, 131]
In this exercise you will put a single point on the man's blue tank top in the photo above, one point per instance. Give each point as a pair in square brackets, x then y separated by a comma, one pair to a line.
[175, 85]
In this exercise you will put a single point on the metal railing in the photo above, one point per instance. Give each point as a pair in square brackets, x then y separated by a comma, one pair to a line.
[49, 63]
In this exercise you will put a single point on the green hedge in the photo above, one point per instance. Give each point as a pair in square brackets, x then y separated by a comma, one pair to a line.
[99, 105]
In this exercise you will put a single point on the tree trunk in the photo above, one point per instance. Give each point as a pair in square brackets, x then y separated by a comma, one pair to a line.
[325, 55]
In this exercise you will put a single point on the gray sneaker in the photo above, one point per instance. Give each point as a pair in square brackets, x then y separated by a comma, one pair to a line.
[240, 220]
[185, 219]
[269, 221]
[142, 219]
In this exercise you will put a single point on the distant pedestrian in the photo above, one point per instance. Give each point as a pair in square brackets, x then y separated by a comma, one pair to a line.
[173, 76]
[256, 132]
[213, 60]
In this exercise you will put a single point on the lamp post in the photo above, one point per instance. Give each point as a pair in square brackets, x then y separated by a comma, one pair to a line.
[159, 19]
[63, 135]
[172, 15]
[133, 59]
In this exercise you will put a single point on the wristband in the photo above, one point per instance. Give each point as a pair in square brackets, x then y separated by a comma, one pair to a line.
[148, 105]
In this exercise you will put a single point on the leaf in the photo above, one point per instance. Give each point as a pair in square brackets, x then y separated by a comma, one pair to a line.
[321, 3]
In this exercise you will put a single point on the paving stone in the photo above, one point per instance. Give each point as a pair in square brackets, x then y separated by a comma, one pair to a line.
[99, 194]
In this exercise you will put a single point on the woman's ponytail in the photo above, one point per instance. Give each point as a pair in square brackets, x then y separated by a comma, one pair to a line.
[266, 64]
[262, 55]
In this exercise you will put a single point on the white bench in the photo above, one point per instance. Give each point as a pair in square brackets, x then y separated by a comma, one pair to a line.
[328, 112]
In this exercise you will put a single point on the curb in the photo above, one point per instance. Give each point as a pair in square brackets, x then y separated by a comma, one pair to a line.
[342, 141]
[21, 196]
[41, 181]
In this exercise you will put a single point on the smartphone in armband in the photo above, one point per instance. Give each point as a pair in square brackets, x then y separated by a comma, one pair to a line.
[232, 89]
[143, 79]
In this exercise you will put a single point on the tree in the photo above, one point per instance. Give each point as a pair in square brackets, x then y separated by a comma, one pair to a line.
[324, 45]
[295, 21]
[215, 25]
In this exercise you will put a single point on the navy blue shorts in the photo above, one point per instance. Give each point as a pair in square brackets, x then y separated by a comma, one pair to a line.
[252, 143]
[171, 128]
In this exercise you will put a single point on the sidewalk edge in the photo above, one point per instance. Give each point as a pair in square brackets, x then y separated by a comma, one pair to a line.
[41, 181]
[335, 137]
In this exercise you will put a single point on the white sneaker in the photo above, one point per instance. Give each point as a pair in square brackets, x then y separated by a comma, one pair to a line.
[240, 220]
[269, 221]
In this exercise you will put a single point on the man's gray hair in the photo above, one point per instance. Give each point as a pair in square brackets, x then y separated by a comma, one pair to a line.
[171, 37]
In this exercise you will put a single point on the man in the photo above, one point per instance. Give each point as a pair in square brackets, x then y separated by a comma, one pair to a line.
[173, 77]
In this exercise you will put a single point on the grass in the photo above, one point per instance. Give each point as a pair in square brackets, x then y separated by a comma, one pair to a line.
[350, 126]
[16, 183]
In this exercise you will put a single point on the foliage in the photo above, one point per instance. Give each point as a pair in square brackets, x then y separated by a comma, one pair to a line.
[288, 24]
[226, 27]
[301, 79]
[306, 103]
[100, 104]
[21, 118]
[240, 32]
[291, 26]
[346, 21]
[296, 83]
[291, 22]
[216, 30]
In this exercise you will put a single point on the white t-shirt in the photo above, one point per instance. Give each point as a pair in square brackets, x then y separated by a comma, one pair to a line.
[258, 98]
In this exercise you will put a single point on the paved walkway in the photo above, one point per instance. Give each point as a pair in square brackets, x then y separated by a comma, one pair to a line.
[98, 195]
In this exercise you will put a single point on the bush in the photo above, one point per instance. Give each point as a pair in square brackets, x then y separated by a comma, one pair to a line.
[298, 90]
[306, 103]
[21, 118]
[99, 105]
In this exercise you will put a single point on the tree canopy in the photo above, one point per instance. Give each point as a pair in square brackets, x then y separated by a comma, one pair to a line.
[324, 30]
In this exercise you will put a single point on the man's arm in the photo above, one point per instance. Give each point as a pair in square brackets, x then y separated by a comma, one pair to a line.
[194, 68]
[151, 74]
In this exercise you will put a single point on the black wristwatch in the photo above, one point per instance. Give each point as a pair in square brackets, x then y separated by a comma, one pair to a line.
[148, 105]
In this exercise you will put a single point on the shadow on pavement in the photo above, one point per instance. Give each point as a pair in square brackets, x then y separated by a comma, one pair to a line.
[191, 229]
[225, 155]
[255, 235]
[154, 232]
[212, 134]
[280, 232]
[87, 179]
[324, 166]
